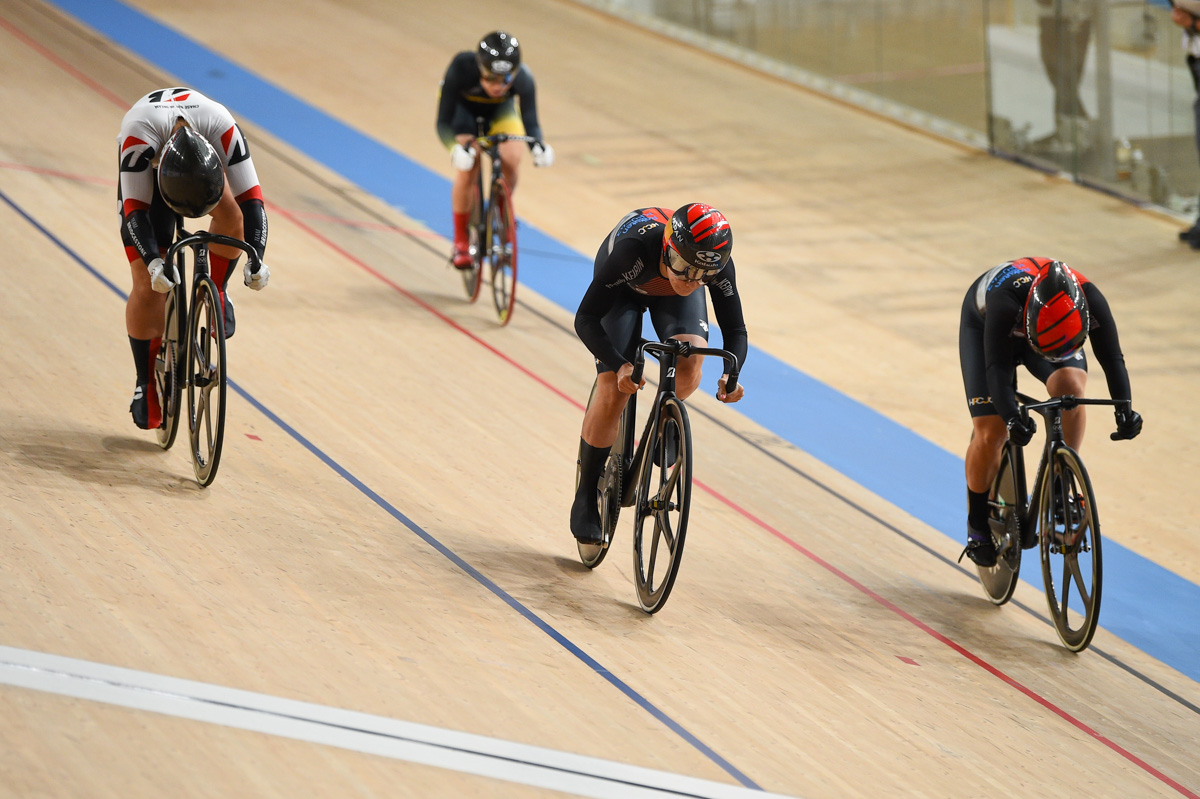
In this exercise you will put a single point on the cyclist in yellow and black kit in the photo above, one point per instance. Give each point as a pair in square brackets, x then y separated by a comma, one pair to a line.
[491, 83]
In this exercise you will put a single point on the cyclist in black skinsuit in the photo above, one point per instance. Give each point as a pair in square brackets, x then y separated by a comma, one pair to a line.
[489, 83]
[1037, 312]
[652, 260]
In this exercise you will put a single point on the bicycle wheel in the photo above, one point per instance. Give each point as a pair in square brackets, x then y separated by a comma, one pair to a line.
[1000, 581]
[502, 241]
[476, 245]
[608, 496]
[1069, 539]
[168, 366]
[664, 495]
[206, 383]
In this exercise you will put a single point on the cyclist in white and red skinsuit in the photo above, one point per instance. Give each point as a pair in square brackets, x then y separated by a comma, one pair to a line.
[148, 223]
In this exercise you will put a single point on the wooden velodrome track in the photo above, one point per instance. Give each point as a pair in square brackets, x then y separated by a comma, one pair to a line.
[387, 535]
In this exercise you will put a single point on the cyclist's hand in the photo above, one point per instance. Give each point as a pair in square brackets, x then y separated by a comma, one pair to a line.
[737, 394]
[158, 277]
[463, 158]
[256, 280]
[1129, 424]
[1020, 431]
[543, 154]
[625, 382]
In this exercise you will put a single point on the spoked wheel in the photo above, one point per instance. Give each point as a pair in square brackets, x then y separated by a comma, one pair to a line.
[168, 367]
[664, 495]
[206, 384]
[502, 236]
[608, 496]
[1000, 581]
[1070, 546]
[476, 246]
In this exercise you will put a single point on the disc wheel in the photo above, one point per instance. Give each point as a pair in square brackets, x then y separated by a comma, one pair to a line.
[1000, 581]
[476, 245]
[502, 237]
[168, 366]
[664, 495]
[206, 384]
[1070, 547]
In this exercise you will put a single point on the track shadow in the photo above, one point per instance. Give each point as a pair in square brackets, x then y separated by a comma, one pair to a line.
[88, 457]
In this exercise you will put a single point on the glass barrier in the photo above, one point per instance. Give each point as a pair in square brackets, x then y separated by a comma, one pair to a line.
[1097, 89]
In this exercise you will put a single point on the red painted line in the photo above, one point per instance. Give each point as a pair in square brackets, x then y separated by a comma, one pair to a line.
[253, 437]
[56, 173]
[54, 59]
[720, 497]
[909, 661]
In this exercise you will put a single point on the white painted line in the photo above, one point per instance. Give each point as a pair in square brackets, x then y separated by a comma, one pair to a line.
[346, 729]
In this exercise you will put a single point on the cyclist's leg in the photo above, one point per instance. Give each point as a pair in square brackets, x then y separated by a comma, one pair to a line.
[602, 420]
[1071, 378]
[144, 318]
[225, 220]
[685, 319]
[987, 433]
[462, 190]
[507, 120]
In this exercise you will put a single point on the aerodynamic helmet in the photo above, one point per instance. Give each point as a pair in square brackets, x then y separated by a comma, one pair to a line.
[1056, 313]
[190, 177]
[699, 243]
[499, 56]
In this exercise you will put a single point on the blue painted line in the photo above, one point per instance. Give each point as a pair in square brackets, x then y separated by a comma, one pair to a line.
[448, 553]
[1144, 603]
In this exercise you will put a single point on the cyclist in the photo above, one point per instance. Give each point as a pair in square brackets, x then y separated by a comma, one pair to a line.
[487, 83]
[1037, 312]
[652, 260]
[180, 153]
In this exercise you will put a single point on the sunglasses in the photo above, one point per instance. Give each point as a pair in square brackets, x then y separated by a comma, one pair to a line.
[685, 271]
[491, 77]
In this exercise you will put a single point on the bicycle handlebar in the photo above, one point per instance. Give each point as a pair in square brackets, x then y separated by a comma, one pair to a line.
[204, 237]
[488, 142]
[681, 349]
[1065, 402]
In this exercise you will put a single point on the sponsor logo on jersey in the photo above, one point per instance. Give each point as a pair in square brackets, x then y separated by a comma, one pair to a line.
[725, 286]
[704, 325]
[973, 401]
[629, 275]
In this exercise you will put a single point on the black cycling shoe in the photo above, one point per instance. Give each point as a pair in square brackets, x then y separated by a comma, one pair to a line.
[980, 550]
[230, 321]
[585, 519]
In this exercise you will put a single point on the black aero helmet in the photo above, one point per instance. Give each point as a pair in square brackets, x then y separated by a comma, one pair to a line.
[499, 54]
[699, 243]
[1056, 313]
[190, 177]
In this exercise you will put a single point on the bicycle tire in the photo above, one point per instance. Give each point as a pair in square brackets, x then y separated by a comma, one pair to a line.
[1070, 548]
[169, 366]
[1000, 581]
[475, 246]
[502, 249]
[608, 496]
[666, 508]
[206, 379]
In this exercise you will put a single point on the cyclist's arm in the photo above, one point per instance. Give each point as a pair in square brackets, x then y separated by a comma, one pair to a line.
[727, 305]
[1106, 344]
[254, 223]
[526, 91]
[596, 302]
[1000, 352]
[137, 192]
[454, 83]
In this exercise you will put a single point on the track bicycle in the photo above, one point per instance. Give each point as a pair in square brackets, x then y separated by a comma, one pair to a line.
[655, 479]
[1059, 517]
[192, 355]
[492, 229]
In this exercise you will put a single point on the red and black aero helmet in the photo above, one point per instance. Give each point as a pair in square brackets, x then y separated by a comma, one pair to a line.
[499, 54]
[190, 177]
[1056, 313]
[700, 242]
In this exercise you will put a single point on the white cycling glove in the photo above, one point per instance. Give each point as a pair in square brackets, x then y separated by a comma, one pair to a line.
[256, 280]
[543, 154]
[462, 158]
[158, 276]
